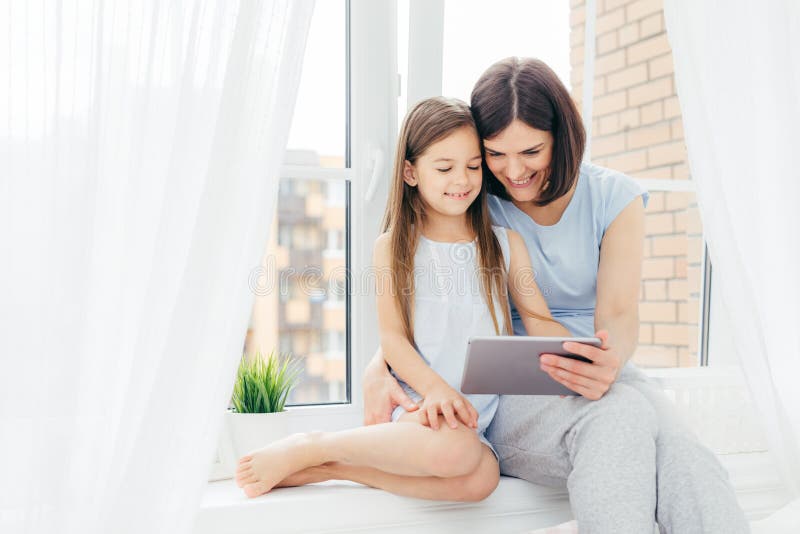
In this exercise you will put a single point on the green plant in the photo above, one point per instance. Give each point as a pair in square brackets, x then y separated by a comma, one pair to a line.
[262, 384]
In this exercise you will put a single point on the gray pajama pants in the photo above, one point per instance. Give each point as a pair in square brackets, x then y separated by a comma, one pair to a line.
[626, 460]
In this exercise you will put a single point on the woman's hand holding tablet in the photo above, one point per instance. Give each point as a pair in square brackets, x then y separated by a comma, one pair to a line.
[509, 365]
[591, 381]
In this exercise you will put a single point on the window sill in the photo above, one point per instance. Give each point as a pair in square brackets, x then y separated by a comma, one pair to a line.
[515, 506]
[340, 506]
[708, 396]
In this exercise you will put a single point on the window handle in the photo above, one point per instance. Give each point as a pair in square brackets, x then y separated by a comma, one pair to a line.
[377, 169]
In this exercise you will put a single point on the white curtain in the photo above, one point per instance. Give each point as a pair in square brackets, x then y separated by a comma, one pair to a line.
[737, 69]
[140, 143]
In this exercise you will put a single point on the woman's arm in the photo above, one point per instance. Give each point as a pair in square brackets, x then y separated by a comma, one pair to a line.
[619, 277]
[525, 292]
[617, 311]
[382, 392]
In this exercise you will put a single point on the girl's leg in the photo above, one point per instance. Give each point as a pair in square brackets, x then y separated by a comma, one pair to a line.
[475, 486]
[406, 448]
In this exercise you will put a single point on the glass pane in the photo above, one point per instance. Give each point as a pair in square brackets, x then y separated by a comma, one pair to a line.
[318, 133]
[671, 299]
[300, 289]
[478, 33]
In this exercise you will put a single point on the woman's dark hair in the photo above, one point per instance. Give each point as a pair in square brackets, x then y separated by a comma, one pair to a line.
[528, 90]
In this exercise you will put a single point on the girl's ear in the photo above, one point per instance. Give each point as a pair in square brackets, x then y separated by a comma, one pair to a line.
[408, 174]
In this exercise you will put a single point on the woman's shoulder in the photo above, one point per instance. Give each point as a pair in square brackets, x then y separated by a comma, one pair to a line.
[610, 190]
[605, 179]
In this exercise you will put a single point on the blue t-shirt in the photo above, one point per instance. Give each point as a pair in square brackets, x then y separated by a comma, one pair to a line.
[566, 255]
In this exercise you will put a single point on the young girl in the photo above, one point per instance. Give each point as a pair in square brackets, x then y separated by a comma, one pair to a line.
[444, 274]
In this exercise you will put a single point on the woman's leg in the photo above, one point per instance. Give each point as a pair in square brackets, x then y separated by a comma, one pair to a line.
[475, 486]
[694, 491]
[405, 448]
[603, 451]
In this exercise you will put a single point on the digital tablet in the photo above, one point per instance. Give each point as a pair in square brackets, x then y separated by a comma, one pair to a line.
[509, 365]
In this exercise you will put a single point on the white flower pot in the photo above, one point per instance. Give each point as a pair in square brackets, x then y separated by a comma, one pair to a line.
[251, 431]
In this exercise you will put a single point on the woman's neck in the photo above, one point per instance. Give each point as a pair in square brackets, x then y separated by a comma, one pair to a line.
[549, 214]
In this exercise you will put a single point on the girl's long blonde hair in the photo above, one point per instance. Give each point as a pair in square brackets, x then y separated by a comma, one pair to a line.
[430, 121]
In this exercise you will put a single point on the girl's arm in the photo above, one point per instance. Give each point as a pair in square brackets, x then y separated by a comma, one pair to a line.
[397, 350]
[525, 292]
[404, 359]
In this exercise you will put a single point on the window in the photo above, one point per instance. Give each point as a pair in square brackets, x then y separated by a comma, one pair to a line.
[334, 180]
[636, 128]
[333, 188]
[444, 46]
[515, 27]
[310, 252]
[672, 296]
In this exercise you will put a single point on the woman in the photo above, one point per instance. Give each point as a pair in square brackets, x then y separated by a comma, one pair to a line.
[619, 448]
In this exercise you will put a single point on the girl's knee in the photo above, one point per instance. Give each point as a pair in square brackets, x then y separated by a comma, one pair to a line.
[478, 485]
[454, 452]
[477, 489]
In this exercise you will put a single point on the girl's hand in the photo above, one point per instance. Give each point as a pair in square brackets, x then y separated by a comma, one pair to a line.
[442, 399]
[592, 380]
[382, 393]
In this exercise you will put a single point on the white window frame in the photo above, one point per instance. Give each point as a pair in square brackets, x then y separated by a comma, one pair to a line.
[373, 94]
[425, 50]
[372, 108]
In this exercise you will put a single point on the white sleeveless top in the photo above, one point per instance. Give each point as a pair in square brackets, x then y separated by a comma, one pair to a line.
[449, 308]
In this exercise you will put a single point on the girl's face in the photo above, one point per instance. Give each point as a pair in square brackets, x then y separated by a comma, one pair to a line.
[519, 157]
[448, 174]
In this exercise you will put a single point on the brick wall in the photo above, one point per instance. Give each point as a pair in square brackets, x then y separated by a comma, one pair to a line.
[637, 129]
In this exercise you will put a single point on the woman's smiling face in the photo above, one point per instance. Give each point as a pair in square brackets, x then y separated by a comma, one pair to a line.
[519, 157]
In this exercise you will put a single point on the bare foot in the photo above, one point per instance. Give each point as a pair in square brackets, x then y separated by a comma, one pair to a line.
[309, 475]
[260, 471]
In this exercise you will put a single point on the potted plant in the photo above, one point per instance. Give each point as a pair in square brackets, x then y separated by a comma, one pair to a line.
[257, 416]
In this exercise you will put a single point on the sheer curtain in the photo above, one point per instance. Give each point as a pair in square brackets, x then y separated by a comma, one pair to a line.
[139, 148]
[737, 66]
